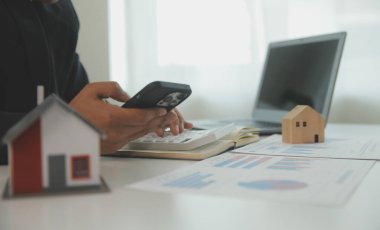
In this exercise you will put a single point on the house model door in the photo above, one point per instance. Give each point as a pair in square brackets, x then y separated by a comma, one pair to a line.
[57, 171]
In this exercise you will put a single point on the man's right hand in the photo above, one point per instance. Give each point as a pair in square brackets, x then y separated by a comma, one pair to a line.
[119, 124]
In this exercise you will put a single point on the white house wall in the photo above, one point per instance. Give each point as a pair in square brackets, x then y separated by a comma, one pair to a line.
[64, 133]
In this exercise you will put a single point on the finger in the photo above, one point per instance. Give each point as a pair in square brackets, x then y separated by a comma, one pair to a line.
[172, 120]
[174, 129]
[188, 125]
[160, 132]
[134, 116]
[107, 89]
[180, 121]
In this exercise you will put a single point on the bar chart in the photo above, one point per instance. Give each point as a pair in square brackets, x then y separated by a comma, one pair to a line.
[195, 180]
[242, 162]
[292, 164]
[273, 185]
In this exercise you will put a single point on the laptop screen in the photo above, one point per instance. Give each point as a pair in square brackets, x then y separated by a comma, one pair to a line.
[299, 72]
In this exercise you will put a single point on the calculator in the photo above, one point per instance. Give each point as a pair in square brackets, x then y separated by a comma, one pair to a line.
[187, 140]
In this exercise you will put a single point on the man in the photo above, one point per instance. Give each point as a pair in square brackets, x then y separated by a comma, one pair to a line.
[37, 47]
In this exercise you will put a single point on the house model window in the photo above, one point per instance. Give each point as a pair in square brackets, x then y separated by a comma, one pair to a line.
[297, 124]
[80, 167]
[304, 124]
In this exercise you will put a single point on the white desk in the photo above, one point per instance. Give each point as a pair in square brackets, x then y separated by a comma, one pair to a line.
[130, 209]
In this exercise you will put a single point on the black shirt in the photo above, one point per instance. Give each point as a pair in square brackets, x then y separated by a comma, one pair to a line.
[37, 47]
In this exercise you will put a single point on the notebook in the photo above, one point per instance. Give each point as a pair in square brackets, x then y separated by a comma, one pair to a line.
[298, 71]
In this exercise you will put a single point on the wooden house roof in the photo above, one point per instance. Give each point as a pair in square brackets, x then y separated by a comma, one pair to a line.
[298, 110]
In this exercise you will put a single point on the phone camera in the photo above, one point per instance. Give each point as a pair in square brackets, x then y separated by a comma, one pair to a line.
[174, 103]
[168, 98]
[172, 99]
[181, 96]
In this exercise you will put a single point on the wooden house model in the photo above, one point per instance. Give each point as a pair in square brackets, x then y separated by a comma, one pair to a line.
[303, 125]
[52, 149]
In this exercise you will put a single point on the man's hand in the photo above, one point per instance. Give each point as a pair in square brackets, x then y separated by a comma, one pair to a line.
[175, 121]
[122, 125]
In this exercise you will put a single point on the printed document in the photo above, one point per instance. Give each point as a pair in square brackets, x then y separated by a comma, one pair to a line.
[347, 148]
[320, 181]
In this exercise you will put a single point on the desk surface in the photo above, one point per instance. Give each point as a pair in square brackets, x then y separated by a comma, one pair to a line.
[131, 209]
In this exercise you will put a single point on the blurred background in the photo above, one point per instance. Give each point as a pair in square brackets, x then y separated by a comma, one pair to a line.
[219, 46]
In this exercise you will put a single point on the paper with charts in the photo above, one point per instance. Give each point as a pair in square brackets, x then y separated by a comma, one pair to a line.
[290, 179]
[347, 148]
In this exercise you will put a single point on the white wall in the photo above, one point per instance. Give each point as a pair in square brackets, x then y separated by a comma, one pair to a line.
[356, 94]
[93, 37]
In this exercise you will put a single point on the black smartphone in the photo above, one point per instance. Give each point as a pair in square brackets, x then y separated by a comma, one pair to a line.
[159, 94]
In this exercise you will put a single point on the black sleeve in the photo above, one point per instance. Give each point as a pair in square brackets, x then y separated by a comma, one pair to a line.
[7, 120]
[19, 37]
[78, 79]
[3, 155]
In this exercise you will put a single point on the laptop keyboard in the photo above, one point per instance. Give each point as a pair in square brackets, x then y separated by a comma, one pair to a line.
[264, 128]
[266, 124]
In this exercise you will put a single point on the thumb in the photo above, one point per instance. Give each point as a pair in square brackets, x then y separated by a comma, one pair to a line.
[108, 89]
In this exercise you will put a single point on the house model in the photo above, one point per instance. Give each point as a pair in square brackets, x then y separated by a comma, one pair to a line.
[303, 125]
[53, 149]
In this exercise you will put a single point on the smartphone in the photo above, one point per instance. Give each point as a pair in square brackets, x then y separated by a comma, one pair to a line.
[159, 94]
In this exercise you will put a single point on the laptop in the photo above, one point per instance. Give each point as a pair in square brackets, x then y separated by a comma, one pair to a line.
[300, 71]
